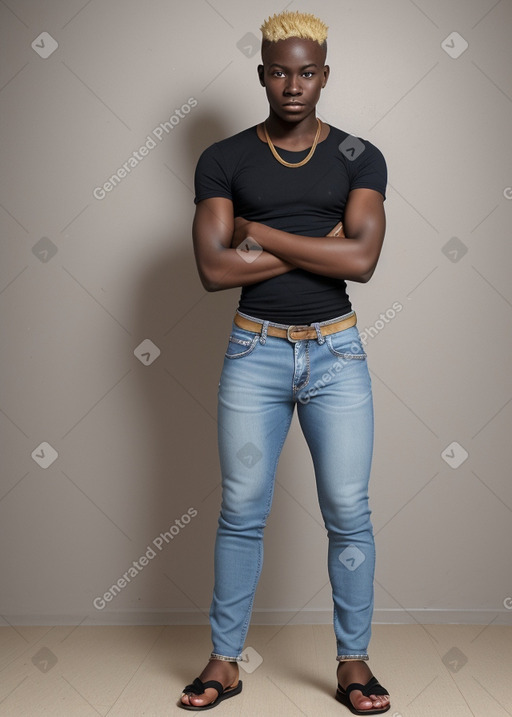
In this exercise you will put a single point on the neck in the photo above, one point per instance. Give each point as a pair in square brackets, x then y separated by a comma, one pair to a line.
[279, 128]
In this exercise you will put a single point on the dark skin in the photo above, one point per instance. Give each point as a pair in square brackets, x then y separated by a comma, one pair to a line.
[293, 70]
[293, 74]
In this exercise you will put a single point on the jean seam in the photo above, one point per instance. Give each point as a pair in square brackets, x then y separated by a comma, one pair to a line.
[308, 372]
[217, 656]
[248, 350]
[345, 354]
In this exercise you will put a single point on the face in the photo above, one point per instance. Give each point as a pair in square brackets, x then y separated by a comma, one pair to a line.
[293, 74]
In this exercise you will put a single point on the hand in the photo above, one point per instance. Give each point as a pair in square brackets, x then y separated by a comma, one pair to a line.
[337, 231]
[240, 232]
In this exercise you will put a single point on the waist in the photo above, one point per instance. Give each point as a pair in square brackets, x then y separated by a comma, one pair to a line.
[296, 297]
[295, 332]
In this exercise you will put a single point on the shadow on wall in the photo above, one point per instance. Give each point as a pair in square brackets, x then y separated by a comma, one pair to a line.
[177, 396]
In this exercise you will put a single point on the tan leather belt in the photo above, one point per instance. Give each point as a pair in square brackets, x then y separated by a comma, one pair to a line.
[296, 333]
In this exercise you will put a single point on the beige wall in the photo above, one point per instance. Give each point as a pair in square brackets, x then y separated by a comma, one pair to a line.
[84, 280]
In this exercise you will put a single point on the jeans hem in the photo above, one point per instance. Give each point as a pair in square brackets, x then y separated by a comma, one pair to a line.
[215, 656]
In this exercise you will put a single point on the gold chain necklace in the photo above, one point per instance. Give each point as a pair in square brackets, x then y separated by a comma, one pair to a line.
[302, 162]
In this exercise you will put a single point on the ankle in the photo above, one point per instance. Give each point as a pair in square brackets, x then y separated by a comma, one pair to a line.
[223, 669]
[353, 671]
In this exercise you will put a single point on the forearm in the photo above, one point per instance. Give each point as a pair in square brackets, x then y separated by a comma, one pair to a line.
[341, 258]
[228, 268]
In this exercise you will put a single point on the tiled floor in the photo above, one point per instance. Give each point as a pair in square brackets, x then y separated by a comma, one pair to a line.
[430, 671]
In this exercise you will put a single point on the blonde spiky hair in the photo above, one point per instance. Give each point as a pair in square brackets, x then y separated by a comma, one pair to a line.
[294, 24]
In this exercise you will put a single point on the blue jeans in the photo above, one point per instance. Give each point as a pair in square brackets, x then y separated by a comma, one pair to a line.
[262, 380]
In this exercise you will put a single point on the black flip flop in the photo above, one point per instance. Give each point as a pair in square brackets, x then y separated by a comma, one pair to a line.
[372, 687]
[198, 687]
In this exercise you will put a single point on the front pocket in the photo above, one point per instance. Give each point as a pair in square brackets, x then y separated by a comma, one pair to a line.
[238, 348]
[346, 346]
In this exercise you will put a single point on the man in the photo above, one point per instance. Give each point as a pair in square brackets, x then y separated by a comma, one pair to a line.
[269, 204]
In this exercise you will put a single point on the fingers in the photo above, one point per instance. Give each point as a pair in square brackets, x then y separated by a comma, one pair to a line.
[337, 231]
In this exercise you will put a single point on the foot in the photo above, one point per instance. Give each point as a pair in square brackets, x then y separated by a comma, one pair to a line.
[221, 670]
[358, 671]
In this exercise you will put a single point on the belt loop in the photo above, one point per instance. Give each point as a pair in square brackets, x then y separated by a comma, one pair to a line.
[320, 338]
[264, 329]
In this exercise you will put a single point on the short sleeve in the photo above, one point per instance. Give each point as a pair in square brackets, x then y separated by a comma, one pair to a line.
[211, 178]
[370, 170]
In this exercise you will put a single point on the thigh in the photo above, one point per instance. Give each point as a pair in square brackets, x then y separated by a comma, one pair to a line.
[255, 408]
[336, 416]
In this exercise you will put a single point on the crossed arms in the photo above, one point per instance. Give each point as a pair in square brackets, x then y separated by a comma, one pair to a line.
[348, 252]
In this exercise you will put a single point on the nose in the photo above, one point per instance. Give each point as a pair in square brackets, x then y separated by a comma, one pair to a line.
[293, 86]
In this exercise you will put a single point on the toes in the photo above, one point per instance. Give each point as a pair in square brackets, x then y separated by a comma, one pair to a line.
[210, 695]
[361, 702]
[196, 700]
[189, 699]
[379, 700]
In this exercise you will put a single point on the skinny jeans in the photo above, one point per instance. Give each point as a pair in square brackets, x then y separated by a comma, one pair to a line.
[263, 379]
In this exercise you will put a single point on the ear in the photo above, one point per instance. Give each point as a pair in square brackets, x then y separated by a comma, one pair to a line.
[326, 71]
[261, 75]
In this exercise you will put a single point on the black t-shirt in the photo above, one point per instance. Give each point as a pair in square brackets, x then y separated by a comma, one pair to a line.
[308, 200]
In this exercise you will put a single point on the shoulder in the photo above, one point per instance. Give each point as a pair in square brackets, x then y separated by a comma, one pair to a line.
[218, 163]
[231, 145]
[352, 147]
[363, 161]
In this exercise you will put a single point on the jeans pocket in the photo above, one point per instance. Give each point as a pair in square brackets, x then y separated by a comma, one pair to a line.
[241, 343]
[346, 344]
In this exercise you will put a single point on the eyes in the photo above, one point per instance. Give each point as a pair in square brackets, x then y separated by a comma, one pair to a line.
[308, 74]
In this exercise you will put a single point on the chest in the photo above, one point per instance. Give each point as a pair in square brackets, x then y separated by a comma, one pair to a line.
[270, 189]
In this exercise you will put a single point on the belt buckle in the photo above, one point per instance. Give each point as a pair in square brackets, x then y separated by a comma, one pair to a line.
[295, 327]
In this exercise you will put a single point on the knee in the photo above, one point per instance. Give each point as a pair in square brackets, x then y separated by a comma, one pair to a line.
[245, 517]
[245, 502]
[347, 514]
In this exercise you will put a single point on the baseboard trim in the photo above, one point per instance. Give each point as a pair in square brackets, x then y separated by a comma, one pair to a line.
[382, 616]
